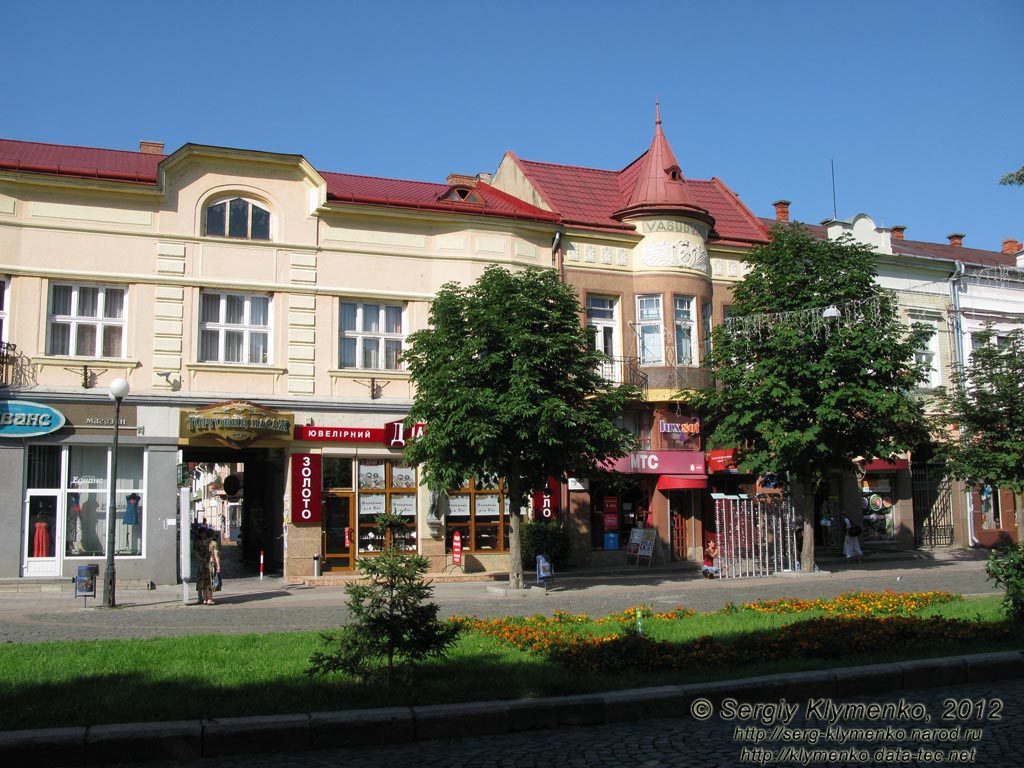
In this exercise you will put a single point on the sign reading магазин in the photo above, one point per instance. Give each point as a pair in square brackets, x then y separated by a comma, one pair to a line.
[21, 418]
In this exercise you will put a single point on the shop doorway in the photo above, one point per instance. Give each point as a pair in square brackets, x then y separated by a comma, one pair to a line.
[43, 535]
[337, 551]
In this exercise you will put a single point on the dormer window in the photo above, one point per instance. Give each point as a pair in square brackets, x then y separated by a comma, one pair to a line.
[463, 195]
[238, 218]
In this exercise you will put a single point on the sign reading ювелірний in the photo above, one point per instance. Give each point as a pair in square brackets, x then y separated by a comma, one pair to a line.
[20, 418]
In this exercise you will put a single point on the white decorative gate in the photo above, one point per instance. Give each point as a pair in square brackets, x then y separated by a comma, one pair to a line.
[756, 535]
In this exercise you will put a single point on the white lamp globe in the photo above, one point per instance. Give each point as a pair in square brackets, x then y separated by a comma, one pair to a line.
[119, 388]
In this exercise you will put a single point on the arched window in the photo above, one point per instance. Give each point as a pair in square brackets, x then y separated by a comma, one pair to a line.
[238, 217]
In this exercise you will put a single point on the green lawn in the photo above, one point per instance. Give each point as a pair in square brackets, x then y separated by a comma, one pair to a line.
[85, 683]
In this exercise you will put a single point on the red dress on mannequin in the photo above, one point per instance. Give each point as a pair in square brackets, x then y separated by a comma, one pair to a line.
[41, 542]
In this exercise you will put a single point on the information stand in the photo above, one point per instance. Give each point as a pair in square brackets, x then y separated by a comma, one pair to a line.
[641, 544]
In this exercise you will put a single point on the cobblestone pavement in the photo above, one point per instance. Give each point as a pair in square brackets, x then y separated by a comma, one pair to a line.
[973, 725]
[250, 604]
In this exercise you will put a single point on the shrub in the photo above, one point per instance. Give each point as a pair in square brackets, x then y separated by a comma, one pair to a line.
[542, 538]
[394, 628]
[1006, 568]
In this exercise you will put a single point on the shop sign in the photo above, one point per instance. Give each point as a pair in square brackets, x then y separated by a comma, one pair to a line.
[456, 548]
[676, 431]
[660, 463]
[340, 434]
[20, 418]
[306, 484]
[545, 503]
[395, 433]
[237, 424]
[723, 460]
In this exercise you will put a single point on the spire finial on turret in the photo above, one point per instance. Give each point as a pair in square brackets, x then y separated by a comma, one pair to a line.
[657, 112]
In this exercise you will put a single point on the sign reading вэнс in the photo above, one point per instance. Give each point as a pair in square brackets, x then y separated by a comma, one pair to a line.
[20, 418]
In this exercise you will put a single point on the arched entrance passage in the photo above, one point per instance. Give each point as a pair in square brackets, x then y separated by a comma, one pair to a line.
[258, 502]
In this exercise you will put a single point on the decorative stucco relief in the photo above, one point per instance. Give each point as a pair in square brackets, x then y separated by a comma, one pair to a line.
[677, 253]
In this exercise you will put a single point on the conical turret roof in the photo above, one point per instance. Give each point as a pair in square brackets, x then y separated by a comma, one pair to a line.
[660, 186]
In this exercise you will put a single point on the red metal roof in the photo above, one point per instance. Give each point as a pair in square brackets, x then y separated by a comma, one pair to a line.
[922, 249]
[342, 187]
[80, 162]
[141, 167]
[590, 197]
[660, 186]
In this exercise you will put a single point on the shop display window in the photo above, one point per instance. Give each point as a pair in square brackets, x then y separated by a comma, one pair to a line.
[68, 488]
[386, 487]
[479, 513]
[878, 506]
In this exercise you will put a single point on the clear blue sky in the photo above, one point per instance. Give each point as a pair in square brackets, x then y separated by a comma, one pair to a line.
[918, 103]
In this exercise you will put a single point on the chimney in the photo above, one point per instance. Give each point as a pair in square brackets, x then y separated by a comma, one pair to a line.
[897, 232]
[956, 239]
[1011, 246]
[151, 147]
[781, 210]
[461, 180]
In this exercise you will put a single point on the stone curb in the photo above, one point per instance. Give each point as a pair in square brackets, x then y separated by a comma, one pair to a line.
[193, 739]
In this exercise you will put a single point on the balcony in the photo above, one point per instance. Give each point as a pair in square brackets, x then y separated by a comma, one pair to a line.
[679, 377]
[624, 370]
[8, 364]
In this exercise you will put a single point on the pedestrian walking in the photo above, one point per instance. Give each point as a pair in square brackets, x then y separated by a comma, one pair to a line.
[208, 560]
[851, 545]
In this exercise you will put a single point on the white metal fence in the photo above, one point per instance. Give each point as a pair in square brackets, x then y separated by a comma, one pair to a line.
[756, 535]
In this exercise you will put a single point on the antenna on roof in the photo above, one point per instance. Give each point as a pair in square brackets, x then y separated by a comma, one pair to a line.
[835, 211]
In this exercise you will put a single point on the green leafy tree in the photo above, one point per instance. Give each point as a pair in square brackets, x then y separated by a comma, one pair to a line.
[508, 383]
[1013, 178]
[394, 627]
[984, 413]
[803, 392]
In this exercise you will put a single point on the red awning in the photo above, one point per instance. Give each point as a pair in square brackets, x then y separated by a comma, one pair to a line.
[884, 465]
[681, 482]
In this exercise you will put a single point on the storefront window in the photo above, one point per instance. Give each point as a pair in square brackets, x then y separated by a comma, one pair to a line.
[386, 487]
[68, 510]
[877, 500]
[478, 512]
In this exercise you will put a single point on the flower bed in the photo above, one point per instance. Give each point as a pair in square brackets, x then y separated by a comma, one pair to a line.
[850, 625]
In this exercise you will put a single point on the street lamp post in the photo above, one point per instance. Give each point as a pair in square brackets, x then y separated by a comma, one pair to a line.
[119, 389]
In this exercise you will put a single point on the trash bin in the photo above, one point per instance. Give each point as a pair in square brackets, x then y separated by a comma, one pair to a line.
[316, 566]
[85, 583]
[611, 542]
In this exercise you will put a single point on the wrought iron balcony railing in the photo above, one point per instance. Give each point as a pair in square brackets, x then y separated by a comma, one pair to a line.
[8, 363]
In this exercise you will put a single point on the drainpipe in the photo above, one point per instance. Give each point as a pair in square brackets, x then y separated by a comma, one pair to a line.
[958, 344]
[556, 249]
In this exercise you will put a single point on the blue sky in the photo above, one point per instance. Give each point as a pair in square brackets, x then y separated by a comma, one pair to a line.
[918, 104]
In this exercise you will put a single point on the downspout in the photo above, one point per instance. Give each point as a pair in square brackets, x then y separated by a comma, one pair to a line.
[556, 251]
[958, 345]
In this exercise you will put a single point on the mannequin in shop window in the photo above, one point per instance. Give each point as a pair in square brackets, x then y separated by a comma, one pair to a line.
[42, 540]
[74, 524]
[131, 519]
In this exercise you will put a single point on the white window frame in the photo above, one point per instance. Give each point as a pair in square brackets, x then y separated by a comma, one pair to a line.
[707, 321]
[5, 302]
[245, 327]
[603, 316]
[76, 322]
[929, 354]
[685, 327]
[369, 336]
[650, 329]
[226, 202]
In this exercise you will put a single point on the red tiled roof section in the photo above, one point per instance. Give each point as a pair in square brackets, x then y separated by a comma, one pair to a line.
[342, 187]
[589, 197]
[922, 249]
[80, 162]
